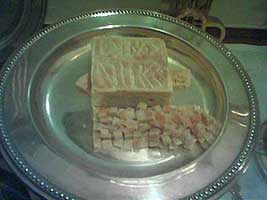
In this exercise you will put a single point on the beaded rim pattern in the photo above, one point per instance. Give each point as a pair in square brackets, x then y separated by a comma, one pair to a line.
[58, 193]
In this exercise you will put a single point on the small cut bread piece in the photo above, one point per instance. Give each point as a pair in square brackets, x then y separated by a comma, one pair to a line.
[181, 78]
[84, 83]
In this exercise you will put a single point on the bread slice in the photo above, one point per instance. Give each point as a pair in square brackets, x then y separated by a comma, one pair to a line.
[129, 70]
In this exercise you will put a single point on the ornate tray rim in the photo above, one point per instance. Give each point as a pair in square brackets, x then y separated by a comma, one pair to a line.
[40, 184]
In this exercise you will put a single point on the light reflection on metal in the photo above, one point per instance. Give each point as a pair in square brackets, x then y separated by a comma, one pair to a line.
[187, 170]
[102, 14]
[154, 193]
[239, 113]
[134, 183]
[167, 159]
[74, 57]
[109, 26]
[243, 125]
[47, 105]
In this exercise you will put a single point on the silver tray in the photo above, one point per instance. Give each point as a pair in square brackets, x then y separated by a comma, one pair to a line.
[44, 119]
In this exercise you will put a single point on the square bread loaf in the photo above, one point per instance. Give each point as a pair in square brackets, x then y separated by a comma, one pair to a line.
[129, 70]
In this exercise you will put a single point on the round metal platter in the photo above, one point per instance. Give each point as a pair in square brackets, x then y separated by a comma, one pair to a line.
[45, 120]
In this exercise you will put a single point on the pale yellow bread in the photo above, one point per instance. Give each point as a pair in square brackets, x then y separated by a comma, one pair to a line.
[127, 70]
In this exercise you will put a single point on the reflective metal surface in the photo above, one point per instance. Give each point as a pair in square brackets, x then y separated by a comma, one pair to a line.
[66, 127]
[45, 121]
[261, 150]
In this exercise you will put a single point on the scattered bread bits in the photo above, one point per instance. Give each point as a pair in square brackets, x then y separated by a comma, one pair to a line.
[181, 78]
[163, 127]
[118, 143]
